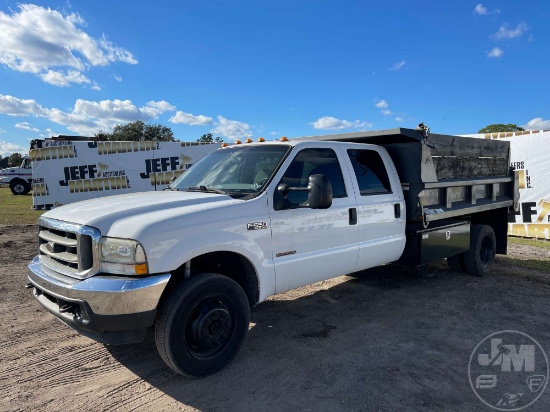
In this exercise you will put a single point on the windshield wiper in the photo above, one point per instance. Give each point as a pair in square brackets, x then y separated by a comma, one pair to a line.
[205, 190]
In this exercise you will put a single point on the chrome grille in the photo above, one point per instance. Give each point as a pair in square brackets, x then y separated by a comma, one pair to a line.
[68, 248]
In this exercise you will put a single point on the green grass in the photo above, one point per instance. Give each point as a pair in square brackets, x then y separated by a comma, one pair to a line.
[17, 210]
[543, 265]
[542, 243]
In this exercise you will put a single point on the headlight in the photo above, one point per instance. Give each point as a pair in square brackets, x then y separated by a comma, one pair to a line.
[122, 256]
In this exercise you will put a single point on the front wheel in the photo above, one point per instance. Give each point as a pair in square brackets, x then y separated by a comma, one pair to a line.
[202, 324]
[480, 257]
[20, 187]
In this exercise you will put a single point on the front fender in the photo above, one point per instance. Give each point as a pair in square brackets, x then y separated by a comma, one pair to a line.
[181, 241]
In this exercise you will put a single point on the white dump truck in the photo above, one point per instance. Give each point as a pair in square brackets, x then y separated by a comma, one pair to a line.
[254, 219]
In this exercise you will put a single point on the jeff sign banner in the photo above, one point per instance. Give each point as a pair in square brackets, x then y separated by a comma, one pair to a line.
[530, 159]
[69, 171]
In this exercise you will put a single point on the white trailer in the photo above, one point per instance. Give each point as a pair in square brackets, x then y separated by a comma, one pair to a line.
[64, 171]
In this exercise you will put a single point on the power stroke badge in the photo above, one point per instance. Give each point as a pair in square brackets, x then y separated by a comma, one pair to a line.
[508, 370]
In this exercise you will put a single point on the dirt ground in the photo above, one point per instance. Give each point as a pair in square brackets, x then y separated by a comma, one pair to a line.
[383, 339]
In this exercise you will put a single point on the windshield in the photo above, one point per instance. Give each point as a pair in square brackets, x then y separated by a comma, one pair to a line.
[241, 171]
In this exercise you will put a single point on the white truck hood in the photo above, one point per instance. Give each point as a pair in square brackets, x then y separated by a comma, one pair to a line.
[131, 212]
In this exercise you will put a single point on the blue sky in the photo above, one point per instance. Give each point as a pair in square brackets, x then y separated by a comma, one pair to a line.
[259, 68]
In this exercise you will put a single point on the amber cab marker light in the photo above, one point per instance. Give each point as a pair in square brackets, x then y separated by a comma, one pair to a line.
[261, 139]
[284, 139]
[238, 142]
[224, 145]
[248, 140]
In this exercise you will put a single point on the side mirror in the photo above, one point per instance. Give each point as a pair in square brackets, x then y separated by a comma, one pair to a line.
[319, 192]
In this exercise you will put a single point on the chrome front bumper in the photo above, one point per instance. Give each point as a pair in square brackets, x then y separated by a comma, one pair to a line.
[109, 309]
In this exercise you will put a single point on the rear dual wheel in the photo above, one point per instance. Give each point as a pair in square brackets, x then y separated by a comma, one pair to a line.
[479, 259]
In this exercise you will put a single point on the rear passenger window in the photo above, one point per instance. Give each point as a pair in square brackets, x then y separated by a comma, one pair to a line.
[370, 171]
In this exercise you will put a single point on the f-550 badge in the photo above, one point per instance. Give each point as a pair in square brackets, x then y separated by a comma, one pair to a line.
[256, 226]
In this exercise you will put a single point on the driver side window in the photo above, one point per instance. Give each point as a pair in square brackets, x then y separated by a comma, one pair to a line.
[310, 162]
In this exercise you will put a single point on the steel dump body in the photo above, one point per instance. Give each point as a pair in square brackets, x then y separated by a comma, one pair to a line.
[444, 176]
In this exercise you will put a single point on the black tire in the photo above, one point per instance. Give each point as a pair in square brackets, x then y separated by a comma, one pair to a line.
[202, 324]
[481, 256]
[19, 187]
[456, 263]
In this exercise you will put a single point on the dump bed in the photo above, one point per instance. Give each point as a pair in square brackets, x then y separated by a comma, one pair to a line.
[444, 176]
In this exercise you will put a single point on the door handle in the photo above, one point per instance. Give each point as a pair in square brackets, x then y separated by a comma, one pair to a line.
[352, 216]
[397, 210]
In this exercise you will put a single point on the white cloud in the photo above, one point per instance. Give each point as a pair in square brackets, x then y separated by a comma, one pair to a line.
[64, 79]
[483, 11]
[118, 78]
[399, 119]
[12, 106]
[537, 124]
[119, 110]
[153, 109]
[506, 32]
[495, 53]
[87, 117]
[382, 104]
[480, 9]
[36, 39]
[272, 133]
[9, 148]
[190, 119]
[96, 87]
[49, 133]
[2, 131]
[398, 66]
[332, 123]
[232, 129]
[26, 126]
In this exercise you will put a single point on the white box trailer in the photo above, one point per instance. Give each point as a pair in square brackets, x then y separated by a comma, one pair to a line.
[529, 158]
[69, 171]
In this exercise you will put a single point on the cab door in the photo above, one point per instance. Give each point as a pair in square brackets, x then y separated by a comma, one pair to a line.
[380, 204]
[310, 245]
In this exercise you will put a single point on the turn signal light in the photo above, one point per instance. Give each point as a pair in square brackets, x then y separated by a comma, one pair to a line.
[141, 269]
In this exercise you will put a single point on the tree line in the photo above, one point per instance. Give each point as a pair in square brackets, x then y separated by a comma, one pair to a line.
[139, 132]
[13, 160]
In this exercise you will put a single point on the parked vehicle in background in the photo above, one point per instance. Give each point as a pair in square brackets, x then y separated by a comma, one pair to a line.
[19, 179]
[251, 220]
